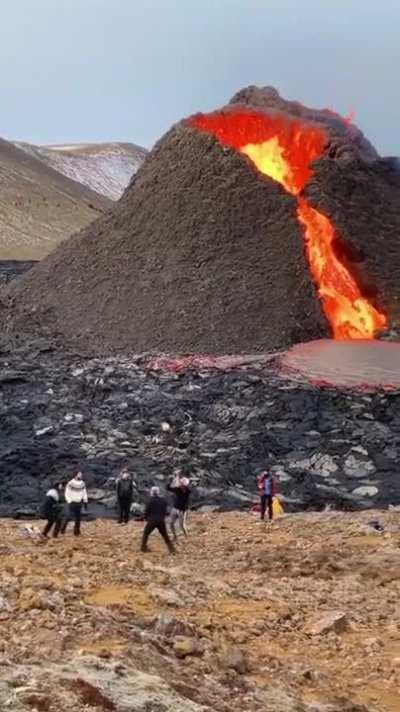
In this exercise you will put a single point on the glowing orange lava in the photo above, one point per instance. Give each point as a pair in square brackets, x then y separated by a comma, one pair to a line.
[284, 150]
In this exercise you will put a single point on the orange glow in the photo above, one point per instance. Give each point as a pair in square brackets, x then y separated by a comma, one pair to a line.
[284, 150]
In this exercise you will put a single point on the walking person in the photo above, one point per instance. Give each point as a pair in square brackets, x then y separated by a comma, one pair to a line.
[124, 496]
[155, 515]
[267, 488]
[76, 497]
[52, 509]
[181, 491]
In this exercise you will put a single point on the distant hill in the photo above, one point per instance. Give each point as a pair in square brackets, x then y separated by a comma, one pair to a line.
[105, 167]
[39, 207]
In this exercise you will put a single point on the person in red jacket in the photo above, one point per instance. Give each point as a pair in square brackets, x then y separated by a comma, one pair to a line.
[267, 488]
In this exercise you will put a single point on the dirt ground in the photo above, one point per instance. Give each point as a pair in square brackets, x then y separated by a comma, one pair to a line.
[308, 605]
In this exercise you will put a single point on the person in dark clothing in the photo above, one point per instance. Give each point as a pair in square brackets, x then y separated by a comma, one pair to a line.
[155, 515]
[267, 489]
[124, 496]
[181, 491]
[52, 509]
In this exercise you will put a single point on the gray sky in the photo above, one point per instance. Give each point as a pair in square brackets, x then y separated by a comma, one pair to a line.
[100, 70]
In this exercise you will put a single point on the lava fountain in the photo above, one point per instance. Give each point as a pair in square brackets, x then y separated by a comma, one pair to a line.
[284, 149]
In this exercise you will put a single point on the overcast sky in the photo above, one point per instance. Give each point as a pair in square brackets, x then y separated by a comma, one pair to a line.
[100, 70]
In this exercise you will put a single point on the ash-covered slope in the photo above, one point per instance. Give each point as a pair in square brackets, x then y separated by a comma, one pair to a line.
[39, 207]
[200, 254]
[106, 168]
[206, 252]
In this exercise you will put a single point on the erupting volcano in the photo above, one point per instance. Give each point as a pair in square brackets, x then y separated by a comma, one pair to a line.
[284, 150]
[247, 230]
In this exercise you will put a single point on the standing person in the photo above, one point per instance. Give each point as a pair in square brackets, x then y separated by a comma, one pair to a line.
[181, 491]
[267, 488]
[155, 515]
[52, 509]
[75, 497]
[124, 496]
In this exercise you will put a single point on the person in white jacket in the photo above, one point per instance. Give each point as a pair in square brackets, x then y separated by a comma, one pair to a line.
[76, 497]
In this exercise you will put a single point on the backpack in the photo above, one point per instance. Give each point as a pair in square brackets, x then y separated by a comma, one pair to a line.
[125, 488]
[48, 507]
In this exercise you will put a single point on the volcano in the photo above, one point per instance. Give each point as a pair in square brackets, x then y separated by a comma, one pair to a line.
[284, 151]
[248, 229]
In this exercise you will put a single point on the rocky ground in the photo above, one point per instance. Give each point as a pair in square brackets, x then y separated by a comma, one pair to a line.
[299, 616]
[12, 269]
[224, 423]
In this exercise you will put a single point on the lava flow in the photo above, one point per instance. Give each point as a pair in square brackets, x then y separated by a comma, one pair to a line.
[284, 150]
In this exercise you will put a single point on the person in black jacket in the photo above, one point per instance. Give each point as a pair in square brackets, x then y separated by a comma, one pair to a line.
[124, 496]
[52, 509]
[155, 515]
[181, 491]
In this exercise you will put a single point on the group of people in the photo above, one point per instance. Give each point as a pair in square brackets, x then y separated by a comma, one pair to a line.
[65, 501]
[156, 510]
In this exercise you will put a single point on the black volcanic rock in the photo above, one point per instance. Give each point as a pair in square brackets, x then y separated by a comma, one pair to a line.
[60, 412]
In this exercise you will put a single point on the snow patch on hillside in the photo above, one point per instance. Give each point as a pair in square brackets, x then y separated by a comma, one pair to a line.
[105, 168]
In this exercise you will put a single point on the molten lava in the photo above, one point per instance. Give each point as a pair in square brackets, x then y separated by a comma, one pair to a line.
[284, 150]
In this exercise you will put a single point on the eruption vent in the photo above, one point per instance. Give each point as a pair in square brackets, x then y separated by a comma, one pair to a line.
[284, 150]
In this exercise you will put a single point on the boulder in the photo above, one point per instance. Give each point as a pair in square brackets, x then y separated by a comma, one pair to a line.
[233, 658]
[184, 647]
[167, 596]
[5, 608]
[171, 627]
[365, 491]
[357, 467]
[329, 621]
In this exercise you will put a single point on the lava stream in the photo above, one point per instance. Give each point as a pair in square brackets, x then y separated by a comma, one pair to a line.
[284, 150]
